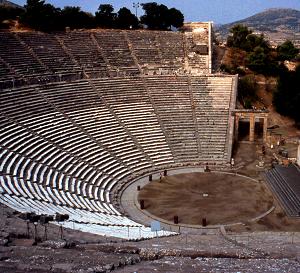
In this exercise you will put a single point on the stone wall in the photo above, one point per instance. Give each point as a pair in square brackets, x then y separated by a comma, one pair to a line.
[202, 39]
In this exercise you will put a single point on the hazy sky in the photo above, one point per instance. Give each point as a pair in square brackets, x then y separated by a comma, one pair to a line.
[219, 11]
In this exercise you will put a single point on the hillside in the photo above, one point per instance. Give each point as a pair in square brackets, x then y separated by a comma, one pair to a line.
[10, 4]
[277, 24]
[265, 88]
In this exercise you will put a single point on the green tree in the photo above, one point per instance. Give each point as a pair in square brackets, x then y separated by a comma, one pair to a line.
[247, 89]
[155, 16]
[41, 16]
[287, 96]
[238, 37]
[160, 17]
[262, 61]
[287, 51]
[260, 57]
[243, 38]
[257, 60]
[175, 18]
[74, 17]
[253, 41]
[105, 16]
[126, 20]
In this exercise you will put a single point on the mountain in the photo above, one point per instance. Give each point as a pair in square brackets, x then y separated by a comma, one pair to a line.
[277, 25]
[9, 4]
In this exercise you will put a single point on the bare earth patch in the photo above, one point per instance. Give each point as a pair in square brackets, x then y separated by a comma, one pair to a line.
[220, 198]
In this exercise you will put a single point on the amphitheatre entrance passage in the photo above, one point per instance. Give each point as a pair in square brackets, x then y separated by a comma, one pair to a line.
[220, 198]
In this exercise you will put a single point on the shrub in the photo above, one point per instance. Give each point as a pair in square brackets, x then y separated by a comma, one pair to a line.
[247, 89]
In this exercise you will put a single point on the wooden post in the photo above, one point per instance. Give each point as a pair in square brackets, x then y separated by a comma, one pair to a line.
[28, 230]
[61, 231]
[265, 130]
[142, 204]
[252, 128]
[236, 128]
[35, 232]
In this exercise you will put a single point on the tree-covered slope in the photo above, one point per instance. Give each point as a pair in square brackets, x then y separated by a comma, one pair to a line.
[277, 24]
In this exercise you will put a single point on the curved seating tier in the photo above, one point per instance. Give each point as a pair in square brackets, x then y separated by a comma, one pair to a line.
[116, 49]
[85, 53]
[18, 57]
[86, 221]
[284, 181]
[58, 57]
[64, 146]
[47, 49]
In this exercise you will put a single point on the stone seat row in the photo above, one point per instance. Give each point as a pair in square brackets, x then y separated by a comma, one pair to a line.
[12, 163]
[95, 186]
[76, 215]
[84, 220]
[93, 53]
[68, 145]
[283, 190]
[119, 110]
[18, 186]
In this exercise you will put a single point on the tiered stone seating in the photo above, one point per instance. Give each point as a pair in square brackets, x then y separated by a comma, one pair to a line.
[7, 77]
[70, 173]
[116, 49]
[93, 117]
[82, 47]
[65, 146]
[285, 183]
[55, 128]
[32, 178]
[93, 54]
[145, 47]
[18, 57]
[171, 98]
[5, 72]
[33, 194]
[130, 102]
[171, 48]
[30, 194]
[50, 52]
[211, 102]
[87, 221]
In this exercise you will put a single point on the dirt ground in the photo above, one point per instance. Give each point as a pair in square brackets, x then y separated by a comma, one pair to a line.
[220, 198]
[243, 200]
